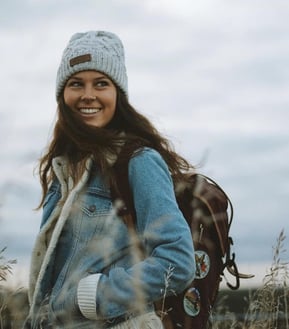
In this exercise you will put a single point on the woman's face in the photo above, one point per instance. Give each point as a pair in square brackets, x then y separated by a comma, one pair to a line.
[93, 95]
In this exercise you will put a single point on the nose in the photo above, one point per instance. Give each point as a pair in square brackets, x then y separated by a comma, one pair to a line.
[88, 95]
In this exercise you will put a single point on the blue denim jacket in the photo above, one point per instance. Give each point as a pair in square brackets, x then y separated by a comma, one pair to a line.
[87, 263]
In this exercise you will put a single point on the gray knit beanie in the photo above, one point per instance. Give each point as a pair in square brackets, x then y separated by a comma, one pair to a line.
[94, 50]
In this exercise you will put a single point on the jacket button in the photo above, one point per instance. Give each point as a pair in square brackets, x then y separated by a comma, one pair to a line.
[92, 208]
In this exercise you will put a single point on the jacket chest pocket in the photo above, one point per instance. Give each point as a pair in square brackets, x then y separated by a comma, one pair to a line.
[94, 209]
[96, 202]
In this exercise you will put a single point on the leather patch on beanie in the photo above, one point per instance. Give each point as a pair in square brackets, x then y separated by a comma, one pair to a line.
[80, 59]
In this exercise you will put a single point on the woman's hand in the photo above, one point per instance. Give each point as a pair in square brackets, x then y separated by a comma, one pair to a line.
[65, 307]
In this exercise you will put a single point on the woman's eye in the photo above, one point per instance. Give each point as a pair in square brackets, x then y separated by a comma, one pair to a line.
[74, 84]
[101, 83]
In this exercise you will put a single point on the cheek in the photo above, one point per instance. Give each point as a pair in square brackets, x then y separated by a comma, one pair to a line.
[113, 103]
[65, 97]
[114, 107]
[68, 99]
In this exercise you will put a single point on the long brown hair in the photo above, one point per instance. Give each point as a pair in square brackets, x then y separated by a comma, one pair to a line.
[79, 141]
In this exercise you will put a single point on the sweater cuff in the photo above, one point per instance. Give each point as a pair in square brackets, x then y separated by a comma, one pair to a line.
[86, 295]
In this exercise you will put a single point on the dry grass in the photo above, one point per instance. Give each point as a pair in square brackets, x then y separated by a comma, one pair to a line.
[268, 305]
[5, 265]
[6, 306]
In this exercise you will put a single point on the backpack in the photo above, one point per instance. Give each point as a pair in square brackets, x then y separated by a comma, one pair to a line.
[209, 213]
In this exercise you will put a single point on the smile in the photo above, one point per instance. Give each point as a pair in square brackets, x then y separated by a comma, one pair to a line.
[89, 110]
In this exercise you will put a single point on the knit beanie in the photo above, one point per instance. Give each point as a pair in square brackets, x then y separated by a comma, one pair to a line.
[94, 50]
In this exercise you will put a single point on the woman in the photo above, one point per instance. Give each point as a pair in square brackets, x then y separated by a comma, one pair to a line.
[87, 271]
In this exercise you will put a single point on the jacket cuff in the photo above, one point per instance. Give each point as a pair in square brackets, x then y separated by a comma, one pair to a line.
[86, 296]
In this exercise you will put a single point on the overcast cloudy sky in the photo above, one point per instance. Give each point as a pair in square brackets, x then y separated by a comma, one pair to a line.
[213, 75]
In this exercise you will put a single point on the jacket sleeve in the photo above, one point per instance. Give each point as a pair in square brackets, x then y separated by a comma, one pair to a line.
[169, 264]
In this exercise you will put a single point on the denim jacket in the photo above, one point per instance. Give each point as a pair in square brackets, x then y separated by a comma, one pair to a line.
[86, 265]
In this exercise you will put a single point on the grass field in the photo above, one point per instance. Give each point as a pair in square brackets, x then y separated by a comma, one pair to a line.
[266, 307]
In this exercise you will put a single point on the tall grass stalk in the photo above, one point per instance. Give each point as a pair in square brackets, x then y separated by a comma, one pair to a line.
[5, 269]
[5, 265]
[269, 307]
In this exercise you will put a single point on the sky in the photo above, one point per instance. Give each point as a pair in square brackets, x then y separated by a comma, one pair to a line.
[212, 75]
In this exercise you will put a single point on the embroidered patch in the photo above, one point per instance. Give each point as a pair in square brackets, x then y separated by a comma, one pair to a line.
[202, 264]
[80, 59]
[192, 302]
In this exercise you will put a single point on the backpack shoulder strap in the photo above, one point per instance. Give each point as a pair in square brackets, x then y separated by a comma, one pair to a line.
[120, 191]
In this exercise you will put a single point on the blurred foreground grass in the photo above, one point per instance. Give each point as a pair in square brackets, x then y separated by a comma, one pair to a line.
[266, 307]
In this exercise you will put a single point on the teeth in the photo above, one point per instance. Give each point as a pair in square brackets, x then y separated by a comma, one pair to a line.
[90, 110]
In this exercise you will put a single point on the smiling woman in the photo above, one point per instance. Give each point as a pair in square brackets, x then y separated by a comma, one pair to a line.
[86, 269]
[93, 95]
